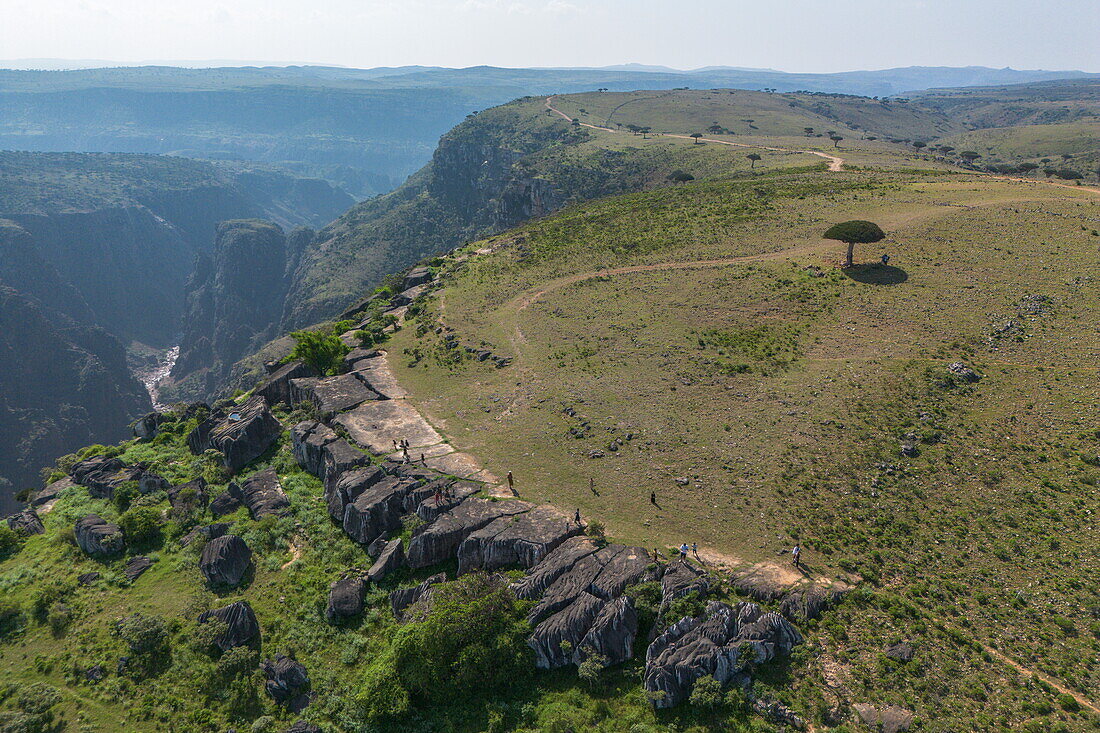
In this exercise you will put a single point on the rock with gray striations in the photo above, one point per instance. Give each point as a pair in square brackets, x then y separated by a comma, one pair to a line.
[308, 440]
[135, 567]
[97, 537]
[341, 457]
[210, 532]
[242, 433]
[355, 356]
[302, 726]
[416, 276]
[26, 523]
[889, 719]
[961, 371]
[402, 598]
[189, 495]
[555, 638]
[262, 494]
[439, 541]
[225, 560]
[807, 604]
[87, 578]
[611, 634]
[333, 395]
[102, 475]
[287, 682]
[349, 487]
[241, 627]
[721, 643]
[147, 426]
[680, 579]
[275, 387]
[224, 503]
[422, 501]
[377, 510]
[553, 566]
[522, 540]
[392, 558]
[900, 652]
[345, 598]
[51, 491]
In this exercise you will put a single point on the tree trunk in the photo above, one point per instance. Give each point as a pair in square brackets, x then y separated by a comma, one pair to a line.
[851, 251]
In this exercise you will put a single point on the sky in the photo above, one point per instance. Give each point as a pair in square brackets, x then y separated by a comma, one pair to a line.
[789, 35]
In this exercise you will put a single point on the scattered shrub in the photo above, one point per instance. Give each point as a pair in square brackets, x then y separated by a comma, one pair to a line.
[141, 525]
[322, 349]
[706, 693]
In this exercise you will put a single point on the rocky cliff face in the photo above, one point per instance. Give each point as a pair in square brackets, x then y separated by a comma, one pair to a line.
[234, 302]
[65, 385]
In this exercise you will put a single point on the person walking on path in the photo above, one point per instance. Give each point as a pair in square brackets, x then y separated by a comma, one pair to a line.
[592, 486]
[577, 517]
[405, 454]
[885, 260]
[684, 552]
[796, 555]
[695, 549]
[511, 482]
[653, 498]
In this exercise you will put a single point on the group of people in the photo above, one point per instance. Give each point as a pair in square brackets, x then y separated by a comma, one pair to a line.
[403, 446]
[694, 549]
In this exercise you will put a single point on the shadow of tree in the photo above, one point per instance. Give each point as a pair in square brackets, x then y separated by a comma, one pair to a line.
[876, 274]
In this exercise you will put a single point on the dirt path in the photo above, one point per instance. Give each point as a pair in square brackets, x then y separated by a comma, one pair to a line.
[836, 163]
[1081, 699]
[295, 548]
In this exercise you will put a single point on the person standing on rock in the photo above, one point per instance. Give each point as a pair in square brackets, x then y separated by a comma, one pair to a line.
[405, 453]
[684, 552]
[577, 517]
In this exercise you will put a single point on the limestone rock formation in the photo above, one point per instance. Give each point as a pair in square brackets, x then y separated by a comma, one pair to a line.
[242, 628]
[521, 540]
[553, 566]
[135, 567]
[224, 503]
[349, 487]
[333, 395]
[26, 523]
[611, 634]
[262, 494]
[147, 426]
[287, 682]
[554, 639]
[225, 560]
[210, 532]
[275, 387]
[375, 511]
[242, 434]
[391, 558]
[191, 494]
[714, 644]
[402, 598]
[439, 541]
[102, 475]
[51, 491]
[345, 598]
[680, 579]
[98, 538]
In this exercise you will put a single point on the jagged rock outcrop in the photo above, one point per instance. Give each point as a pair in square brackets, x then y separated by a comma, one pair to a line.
[721, 643]
[275, 387]
[807, 604]
[262, 494]
[26, 523]
[402, 598]
[225, 560]
[553, 566]
[439, 541]
[242, 434]
[377, 509]
[345, 598]
[241, 626]
[51, 491]
[102, 475]
[611, 634]
[189, 495]
[521, 540]
[680, 579]
[302, 726]
[287, 682]
[224, 503]
[389, 560]
[210, 532]
[321, 452]
[146, 427]
[555, 638]
[886, 719]
[97, 537]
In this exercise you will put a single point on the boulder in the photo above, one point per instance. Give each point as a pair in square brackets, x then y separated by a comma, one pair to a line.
[351, 361]
[901, 652]
[521, 540]
[308, 440]
[98, 538]
[49, 494]
[302, 726]
[713, 644]
[341, 457]
[402, 598]
[623, 566]
[275, 387]
[416, 276]
[26, 523]
[567, 588]
[241, 434]
[349, 487]
[287, 682]
[146, 427]
[334, 395]
[225, 560]
[422, 501]
[210, 532]
[135, 567]
[87, 578]
[224, 503]
[392, 558]
[240, 621]
[889, 719]
[959, 370]
[553, 566]
[345, 598]
[102, 475]
[262, 494]
[611, 634]
[148, 482]
[439, 541]
[189, 495]
[568, 626]
[375, 548]
[807, 604]
[377, 510]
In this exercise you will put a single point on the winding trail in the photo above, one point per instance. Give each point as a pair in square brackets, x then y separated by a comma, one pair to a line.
[836, 163]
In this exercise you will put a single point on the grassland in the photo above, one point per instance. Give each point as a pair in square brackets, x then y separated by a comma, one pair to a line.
[1073, 145]
[782, 388]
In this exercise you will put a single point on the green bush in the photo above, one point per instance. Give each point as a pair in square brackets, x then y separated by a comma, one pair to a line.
[9, 541]
[124, 494]
[11, 617]
[321, 349]
[1068, 703]
[706, 693]
[141, 525]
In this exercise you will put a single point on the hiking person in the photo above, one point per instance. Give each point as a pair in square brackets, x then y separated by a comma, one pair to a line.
[796, 554]
[695, 550]
[653, 498]
[423, 460]
[592, 486]
[511, 482]
[405, 454]
[885, 260]
[577, 517]
[684, 552]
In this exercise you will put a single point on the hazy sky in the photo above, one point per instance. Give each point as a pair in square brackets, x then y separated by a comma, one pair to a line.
[792, 35]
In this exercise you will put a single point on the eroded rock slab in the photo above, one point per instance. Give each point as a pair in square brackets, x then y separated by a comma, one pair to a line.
[46, 496]
[262, 494]
[136, 567]
[611, 634]
[275, 387]
[377, 510]
[97, 537]
[392, 558]
[287, 682]
[191, 494]
[522, 540]
[375, 425]
[680, 579]
[402, 598]
[439, 541]
[241, 627]
[26, 523]
[334, 395]
[225, 560]
[555, 638]
[553, 566]
[349, 486]
[210, 532]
